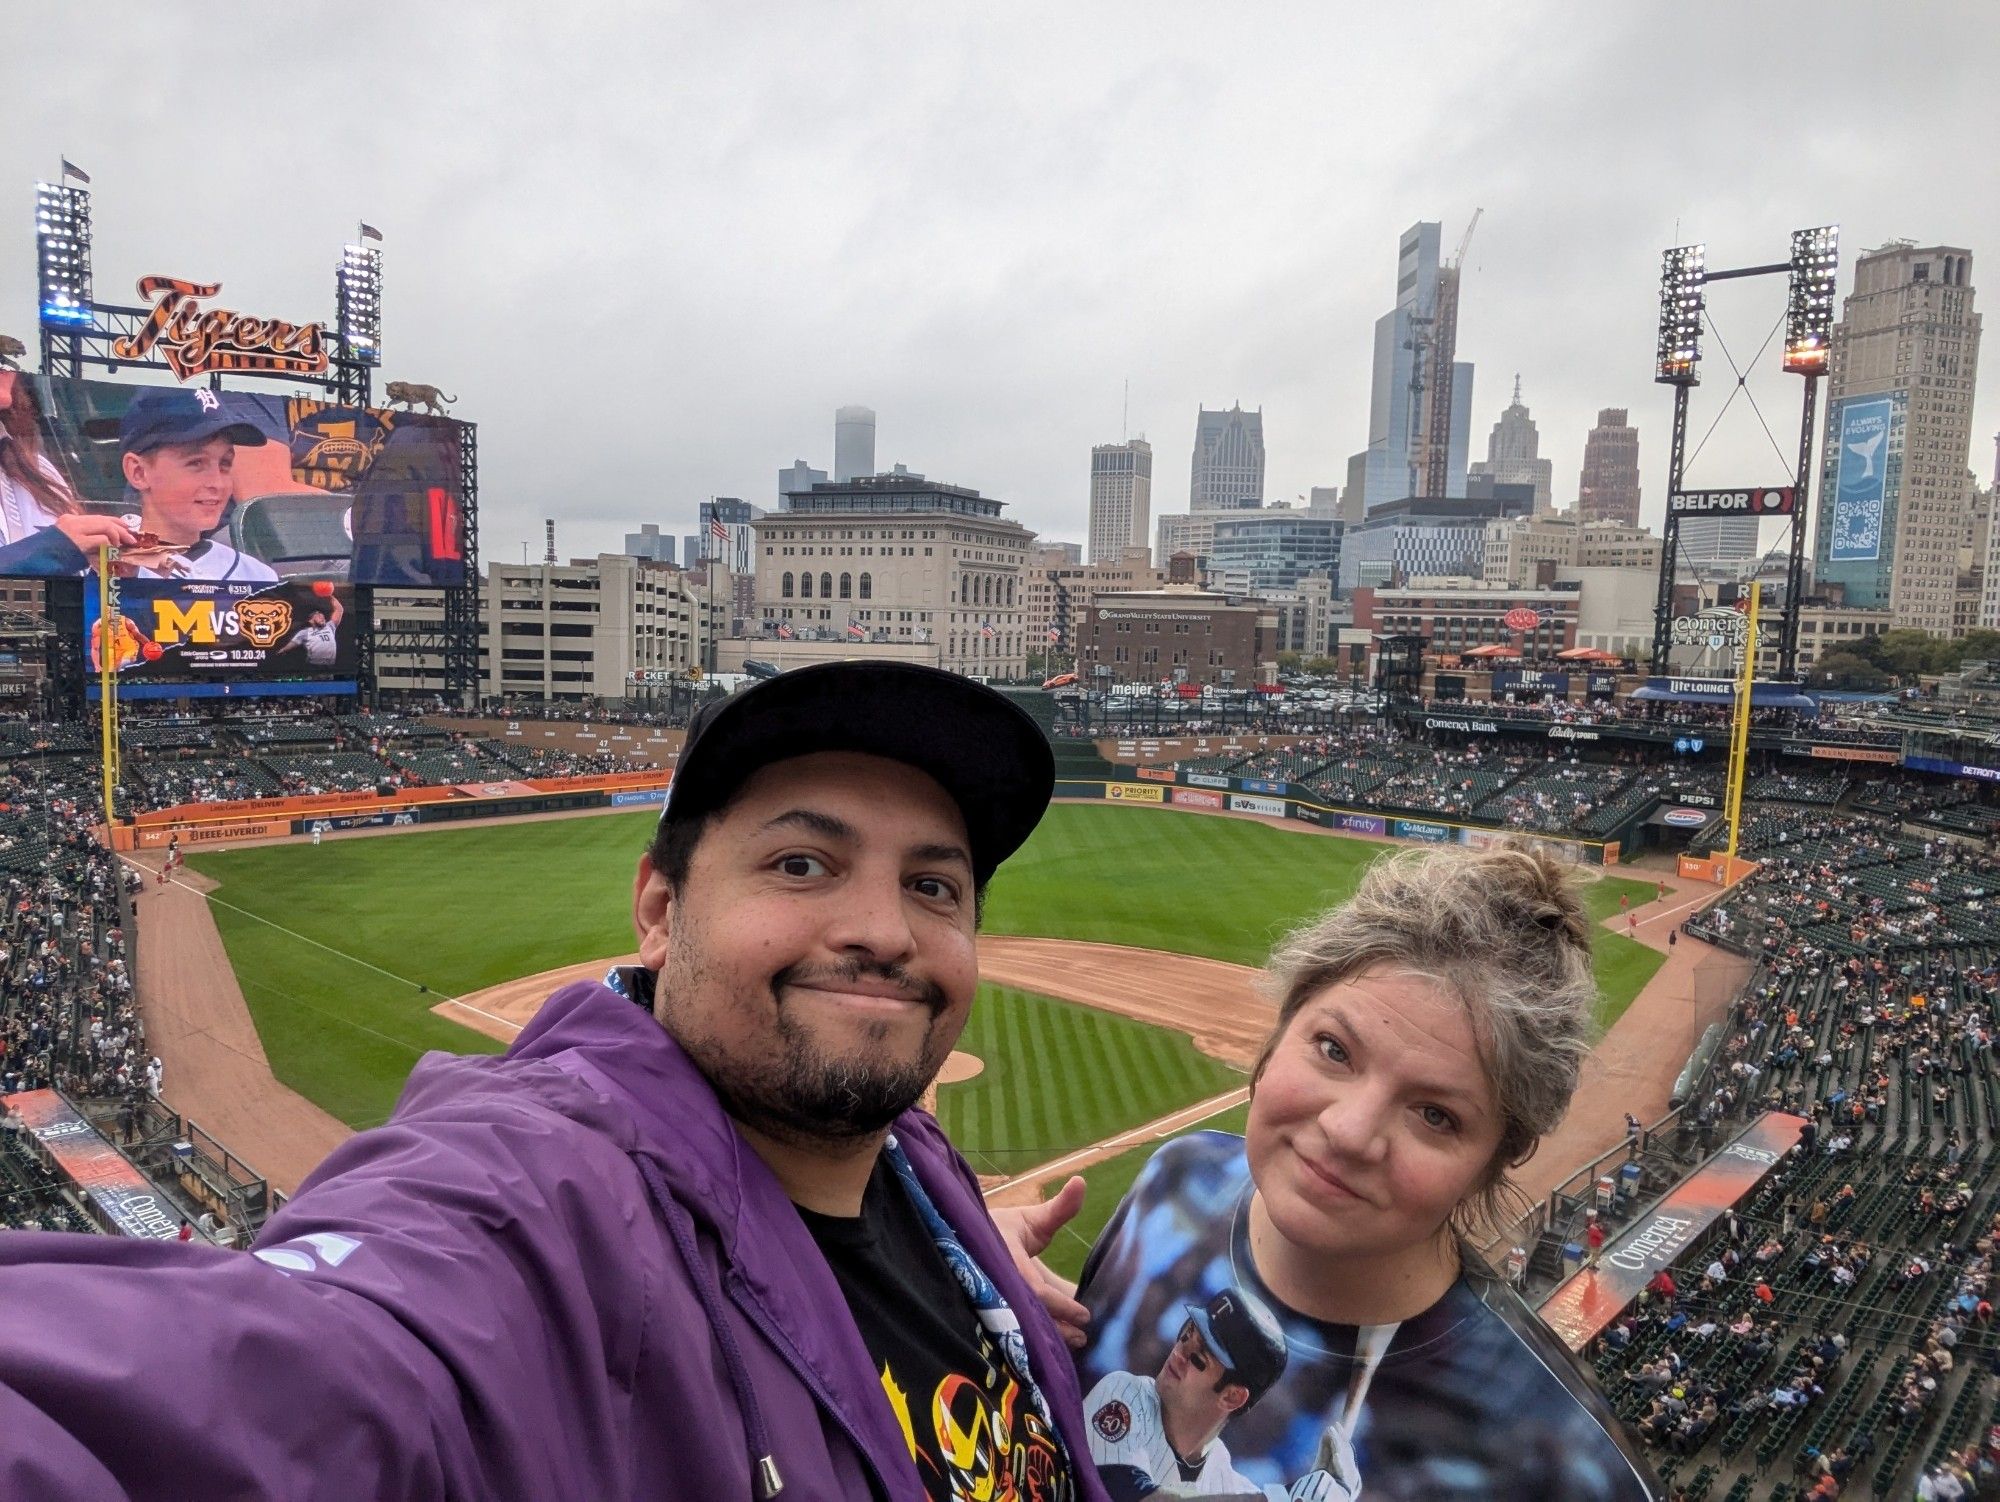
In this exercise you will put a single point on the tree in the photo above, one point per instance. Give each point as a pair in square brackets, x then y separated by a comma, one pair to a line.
[1846, 668]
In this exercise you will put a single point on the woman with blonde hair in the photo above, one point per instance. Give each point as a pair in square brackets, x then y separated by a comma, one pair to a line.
[1430, 1032]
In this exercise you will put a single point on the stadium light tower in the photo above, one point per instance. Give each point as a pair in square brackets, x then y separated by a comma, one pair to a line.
[1811, 287]
[1815, 273]
[1683, 298]
[62, 267]
[358, 306]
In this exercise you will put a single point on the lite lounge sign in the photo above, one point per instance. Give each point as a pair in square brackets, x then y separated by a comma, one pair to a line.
[194, 340]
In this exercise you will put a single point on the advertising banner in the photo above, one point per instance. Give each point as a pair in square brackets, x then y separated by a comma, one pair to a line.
[1241, 804]
[388, 819]
[1463, 727]
[1857, 753]
[1421, 829]
[1592, 1299]
[1251, 785]
[1197, 798]
[1574, 733]
[1154, 774]
[191, 483]
[122, 1195]
[186, 631]
[1861, 470]
[1951, 768]
[636, 796]
[214, 832]
[1529, 681]
[1600, 685]
[1204, 780]
[1766, 500]
[1133, 792]
[1361, 823]
[1684, 818]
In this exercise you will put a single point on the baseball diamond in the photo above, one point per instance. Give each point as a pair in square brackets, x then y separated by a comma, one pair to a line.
[343, 950]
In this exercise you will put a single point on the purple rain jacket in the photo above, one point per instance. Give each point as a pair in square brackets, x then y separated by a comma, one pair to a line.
[555, 1275]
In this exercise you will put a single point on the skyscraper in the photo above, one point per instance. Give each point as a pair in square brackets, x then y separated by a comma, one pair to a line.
[801, 476]
[1608, 490]
[1420, 398]
[1899, 434]
[853, 443]
[725, 532]
[1121, 498]
[1228, 460]
[1513, 453]
[650, 543]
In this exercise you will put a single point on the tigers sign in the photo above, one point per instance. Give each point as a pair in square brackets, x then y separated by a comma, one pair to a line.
[194, 340]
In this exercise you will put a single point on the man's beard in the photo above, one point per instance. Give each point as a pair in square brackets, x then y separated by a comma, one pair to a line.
[789, 1088]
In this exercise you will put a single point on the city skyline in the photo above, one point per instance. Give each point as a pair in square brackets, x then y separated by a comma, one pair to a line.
[942, 252]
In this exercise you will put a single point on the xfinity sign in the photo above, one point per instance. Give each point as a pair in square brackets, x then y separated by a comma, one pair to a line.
[1771, 500]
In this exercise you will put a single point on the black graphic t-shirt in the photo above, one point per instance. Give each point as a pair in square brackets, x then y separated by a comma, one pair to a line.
[972, 1429]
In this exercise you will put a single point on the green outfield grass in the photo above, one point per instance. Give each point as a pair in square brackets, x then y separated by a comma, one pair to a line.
[1059, 1077]
[333, 942]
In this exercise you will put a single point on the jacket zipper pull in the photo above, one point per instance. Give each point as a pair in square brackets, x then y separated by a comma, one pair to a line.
[769, 1482]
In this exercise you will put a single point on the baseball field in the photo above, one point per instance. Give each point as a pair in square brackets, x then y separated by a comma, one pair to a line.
[342, 951]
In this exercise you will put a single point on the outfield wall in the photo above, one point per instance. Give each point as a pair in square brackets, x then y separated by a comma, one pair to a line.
[198, 824]
[1157, 787]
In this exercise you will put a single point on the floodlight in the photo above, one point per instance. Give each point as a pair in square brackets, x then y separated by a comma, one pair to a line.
[1683, 293]
[62, 253]
[358, 298]
[1809, 307]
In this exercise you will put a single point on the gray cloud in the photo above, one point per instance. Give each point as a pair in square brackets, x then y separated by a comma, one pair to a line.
[652, 247]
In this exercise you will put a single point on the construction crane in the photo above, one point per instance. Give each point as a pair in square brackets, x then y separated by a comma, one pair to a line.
[1435, 335]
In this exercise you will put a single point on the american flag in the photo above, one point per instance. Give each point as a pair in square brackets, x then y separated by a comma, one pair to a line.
[1055, 633]
[717, 530]
[986, 629]
[784, 632]
[855, 628]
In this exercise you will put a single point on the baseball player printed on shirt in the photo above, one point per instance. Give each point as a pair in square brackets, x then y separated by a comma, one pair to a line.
[1160, 1436]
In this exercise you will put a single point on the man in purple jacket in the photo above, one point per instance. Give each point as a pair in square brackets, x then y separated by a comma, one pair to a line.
[686, 1239]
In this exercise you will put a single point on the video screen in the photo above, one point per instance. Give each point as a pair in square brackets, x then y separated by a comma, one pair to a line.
[194, 484]
[188, 632]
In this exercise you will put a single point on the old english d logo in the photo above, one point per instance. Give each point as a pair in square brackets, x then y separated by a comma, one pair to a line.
[262, 622]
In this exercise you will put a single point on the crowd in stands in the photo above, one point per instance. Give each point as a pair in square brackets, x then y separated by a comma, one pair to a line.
[169, 760]
[1837, 1326]
[68, 1014]
[1587, 790]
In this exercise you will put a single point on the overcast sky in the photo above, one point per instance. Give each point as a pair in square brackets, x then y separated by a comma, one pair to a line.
[651, 247]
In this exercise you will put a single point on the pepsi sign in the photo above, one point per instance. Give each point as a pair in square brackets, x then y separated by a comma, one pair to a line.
[1684, 818]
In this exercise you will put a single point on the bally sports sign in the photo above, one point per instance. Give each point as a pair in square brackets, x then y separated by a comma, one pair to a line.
[1770, 500]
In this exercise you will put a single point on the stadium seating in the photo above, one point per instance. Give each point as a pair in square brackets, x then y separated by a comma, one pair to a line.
[1873, 1010]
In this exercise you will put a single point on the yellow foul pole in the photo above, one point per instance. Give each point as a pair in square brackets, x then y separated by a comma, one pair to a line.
[109, 630]
[1739, 732]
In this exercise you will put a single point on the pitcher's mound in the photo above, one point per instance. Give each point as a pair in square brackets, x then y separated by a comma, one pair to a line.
[959, 1067]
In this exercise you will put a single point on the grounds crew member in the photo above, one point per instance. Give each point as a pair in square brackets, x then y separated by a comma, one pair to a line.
[685, 1239]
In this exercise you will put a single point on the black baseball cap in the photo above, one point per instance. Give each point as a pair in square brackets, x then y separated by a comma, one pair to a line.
[980, 747]
[1245, 1337]
[160, 415]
